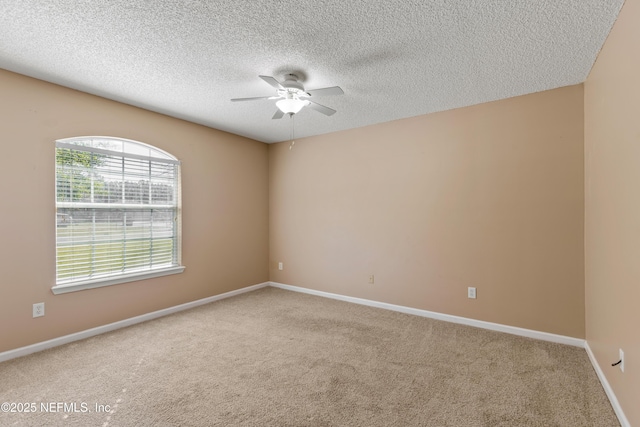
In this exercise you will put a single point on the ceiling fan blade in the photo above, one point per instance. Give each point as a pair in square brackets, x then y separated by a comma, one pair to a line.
[273, 82]
[326, 91]
[278, 115]
[251, 99]
[321, 108]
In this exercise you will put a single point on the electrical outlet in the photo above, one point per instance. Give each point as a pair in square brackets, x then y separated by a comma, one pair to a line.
[38, 309]
[621, 365]
[280, 266]
[471, 293]
[371, 279]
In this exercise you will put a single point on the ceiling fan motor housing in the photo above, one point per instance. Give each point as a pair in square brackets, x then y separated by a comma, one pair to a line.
[291, 82]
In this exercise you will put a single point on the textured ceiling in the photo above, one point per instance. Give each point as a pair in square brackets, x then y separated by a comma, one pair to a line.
[393, 59]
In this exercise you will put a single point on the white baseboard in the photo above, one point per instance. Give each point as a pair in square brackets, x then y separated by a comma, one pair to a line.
[544, 336]
[607, 388]
[23, 351]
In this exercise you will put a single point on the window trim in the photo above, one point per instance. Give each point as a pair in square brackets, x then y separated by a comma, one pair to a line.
[112, 280]
[130, 276]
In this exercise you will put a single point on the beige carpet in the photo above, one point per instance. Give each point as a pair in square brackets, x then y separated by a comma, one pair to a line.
[279, 358]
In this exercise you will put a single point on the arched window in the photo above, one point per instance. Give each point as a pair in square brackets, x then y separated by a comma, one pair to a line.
[117, 212]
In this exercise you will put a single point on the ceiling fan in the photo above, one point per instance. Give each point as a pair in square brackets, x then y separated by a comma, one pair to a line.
[293, 97]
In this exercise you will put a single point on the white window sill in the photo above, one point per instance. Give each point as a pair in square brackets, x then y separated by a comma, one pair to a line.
[131, 277]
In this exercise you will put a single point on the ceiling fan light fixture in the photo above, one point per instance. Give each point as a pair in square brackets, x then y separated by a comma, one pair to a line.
[291, 105]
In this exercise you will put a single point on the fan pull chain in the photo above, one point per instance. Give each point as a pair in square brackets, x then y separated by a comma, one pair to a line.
[292, 134]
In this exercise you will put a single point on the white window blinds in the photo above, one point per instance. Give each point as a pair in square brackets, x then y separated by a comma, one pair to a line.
[117, 209]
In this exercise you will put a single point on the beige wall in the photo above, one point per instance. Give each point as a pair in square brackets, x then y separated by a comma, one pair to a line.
[489, 196]
[225, 210]
[612, 201]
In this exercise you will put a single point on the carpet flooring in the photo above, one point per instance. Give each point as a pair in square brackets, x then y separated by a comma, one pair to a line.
[279, 358]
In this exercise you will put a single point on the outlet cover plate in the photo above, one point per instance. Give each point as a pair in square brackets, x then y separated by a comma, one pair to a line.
[38, 309]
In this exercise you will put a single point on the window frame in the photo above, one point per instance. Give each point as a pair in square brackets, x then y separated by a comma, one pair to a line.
[77, 143]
